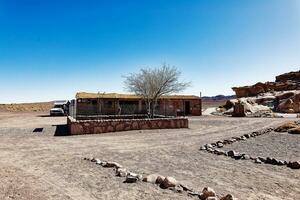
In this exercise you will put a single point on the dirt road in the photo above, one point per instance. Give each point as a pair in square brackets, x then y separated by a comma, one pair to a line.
[35, 164]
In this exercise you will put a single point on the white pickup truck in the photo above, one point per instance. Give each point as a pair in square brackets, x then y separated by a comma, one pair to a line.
[59, 108]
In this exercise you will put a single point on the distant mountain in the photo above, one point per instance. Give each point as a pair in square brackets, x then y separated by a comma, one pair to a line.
[218, 98]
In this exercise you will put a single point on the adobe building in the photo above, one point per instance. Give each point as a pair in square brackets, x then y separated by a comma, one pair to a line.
[128, 104]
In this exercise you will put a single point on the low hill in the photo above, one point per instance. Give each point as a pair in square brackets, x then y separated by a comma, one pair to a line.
[27, 107]
[215, 101]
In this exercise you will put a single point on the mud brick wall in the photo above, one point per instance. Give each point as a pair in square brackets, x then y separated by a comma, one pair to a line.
[78, 127]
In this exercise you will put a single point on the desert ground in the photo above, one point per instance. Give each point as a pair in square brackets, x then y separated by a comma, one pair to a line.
[36, 162]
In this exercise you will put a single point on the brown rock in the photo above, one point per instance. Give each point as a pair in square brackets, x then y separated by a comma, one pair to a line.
[228, 197]
[168, 182]
[294, 165]
[239, 110]
[294, 130]
[286, 126]
[207, 192]
[160, 179]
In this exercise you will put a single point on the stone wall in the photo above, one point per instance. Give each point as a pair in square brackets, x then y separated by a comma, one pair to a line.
[78, 127]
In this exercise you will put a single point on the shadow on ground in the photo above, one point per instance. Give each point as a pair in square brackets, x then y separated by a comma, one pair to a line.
[61, 130]
[47, 115]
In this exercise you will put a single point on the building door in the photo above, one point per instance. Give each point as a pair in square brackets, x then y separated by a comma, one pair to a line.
[187, 108]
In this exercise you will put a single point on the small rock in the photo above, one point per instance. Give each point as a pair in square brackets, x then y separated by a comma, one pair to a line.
[268, 160]
[220, 144]
[93, 160]
[213, 144]
[112, 164]
[243, 138]
[152, 178]
[262, 159]
[294, 165]
[235, 155]
[238, 156]
[210, 150]
[168, 182]
[281, 162]
[98, 162]
[209, 146]
[202, 148]
[159, 180]
[253, 158]
[219, 152]
[207, 192]
[246, 157]
[258, 161]
[121, 172]
[131, 179]
[294, 130]
[247, 136]
[230, 153]
[228, 197]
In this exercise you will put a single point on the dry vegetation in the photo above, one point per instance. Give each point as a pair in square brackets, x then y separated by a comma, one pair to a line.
[27, 107]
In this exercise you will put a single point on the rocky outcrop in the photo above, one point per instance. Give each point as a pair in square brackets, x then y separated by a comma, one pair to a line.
[282, 96]
[291, 76]
[284, 82]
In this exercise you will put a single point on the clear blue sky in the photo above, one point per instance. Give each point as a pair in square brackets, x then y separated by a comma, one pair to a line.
[50, 49]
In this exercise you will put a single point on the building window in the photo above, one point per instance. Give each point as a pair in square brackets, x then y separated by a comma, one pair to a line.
[94, 102]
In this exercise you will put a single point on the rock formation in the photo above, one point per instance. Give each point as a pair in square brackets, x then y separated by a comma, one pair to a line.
[282, 96]
[284, 82]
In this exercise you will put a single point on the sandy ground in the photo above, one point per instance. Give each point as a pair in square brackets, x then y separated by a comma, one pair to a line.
[38, 165]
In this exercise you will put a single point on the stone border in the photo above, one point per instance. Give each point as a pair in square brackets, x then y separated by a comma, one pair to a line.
[79, 127]
[215, 149]
[163, 182]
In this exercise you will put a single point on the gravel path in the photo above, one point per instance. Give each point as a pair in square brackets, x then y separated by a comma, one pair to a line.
[282, 146]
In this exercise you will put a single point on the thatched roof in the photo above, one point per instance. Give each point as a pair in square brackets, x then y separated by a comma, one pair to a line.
[86, 95]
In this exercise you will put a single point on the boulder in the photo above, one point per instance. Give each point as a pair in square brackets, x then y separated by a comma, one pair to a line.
[207, 192]
[168, 182]
[294, 130]
[286, 106]
[239, 110]
[286, 126]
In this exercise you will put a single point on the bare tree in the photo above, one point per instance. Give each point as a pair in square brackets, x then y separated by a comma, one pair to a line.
[154, 83]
